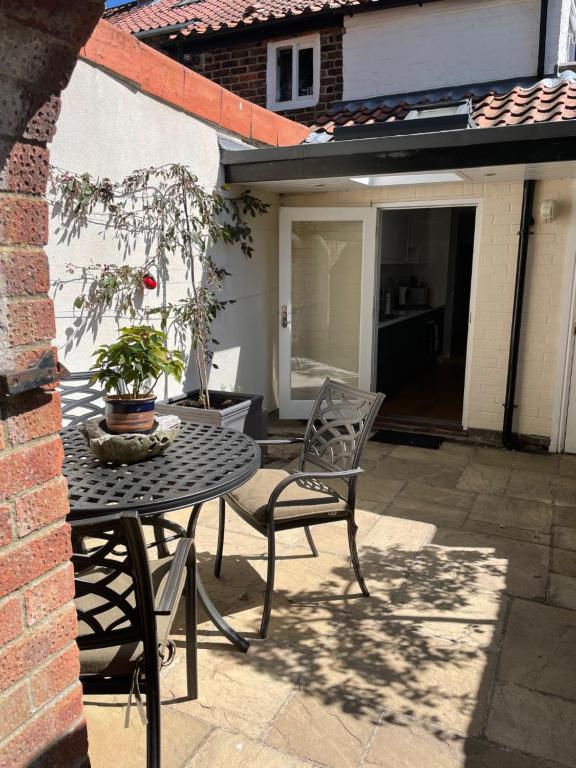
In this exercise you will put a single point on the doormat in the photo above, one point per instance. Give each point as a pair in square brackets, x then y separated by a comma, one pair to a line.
[408, 438]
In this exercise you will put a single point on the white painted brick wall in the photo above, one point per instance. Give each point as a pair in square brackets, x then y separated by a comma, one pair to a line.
[454, 42]
[492, 313]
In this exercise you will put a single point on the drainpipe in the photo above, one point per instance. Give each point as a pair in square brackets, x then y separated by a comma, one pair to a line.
[542, 39]
[510, 442]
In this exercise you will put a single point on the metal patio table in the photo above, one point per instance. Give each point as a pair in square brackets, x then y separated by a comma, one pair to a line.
[203, 463]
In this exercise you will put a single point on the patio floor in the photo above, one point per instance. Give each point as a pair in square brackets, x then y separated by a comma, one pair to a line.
[464, 656]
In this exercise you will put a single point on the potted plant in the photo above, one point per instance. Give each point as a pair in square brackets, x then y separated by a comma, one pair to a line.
[167, 211]
[131, 367]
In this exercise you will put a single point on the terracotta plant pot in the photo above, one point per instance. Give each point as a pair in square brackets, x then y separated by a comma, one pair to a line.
[129, 416]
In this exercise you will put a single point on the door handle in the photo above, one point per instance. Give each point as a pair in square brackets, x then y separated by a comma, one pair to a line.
[284, 316]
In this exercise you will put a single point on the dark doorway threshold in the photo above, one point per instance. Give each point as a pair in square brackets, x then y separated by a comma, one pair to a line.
[408, 438]
[444, 428]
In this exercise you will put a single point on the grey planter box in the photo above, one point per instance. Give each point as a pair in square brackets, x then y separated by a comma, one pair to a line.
[244, 415]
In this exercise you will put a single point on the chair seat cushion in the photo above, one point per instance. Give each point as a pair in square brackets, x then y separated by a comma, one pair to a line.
[301, 499]
[116, 660]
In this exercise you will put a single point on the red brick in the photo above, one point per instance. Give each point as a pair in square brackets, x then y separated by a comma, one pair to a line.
[53, 739]
[33, 558]
[41, 507]
[55, 676]
[24, 273]
[23, 220]
[49, 594]
[25, 170]
[70, 22]
[10, 619]
[41, 125]
[34, 414]
[5, 524]
[21, 657]
[15, 708]
[28, 320]
[25, 468]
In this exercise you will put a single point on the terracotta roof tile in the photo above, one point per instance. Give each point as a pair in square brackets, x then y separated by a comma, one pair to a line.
[496, 105]
[202, 16]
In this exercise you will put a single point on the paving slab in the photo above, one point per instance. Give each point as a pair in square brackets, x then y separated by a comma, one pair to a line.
[526, 564]
[110, 744]
[482, 478]
[517, 513]
[497, 457]
[507, 532]
[540, 649]
[562, 591]
[234, 750]
[535, 486]
[427, 512]
[532, 722]
[444, 474]
[448, 497]
[564, 562]
[408, 744]
[565, 537]
[320, 731]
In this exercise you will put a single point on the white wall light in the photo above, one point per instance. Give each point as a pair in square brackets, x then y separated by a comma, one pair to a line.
[549, 211]
[399, 179]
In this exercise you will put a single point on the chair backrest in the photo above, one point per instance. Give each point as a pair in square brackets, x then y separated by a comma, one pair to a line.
[80, 399]
[339, 426]
[114, 595]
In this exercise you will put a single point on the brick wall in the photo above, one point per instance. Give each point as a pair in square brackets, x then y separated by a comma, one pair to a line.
[40, 698]
[241, 68]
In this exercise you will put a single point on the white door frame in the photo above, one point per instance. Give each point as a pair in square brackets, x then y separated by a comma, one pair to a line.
[459, 202]
[566, 342]
[368, 215]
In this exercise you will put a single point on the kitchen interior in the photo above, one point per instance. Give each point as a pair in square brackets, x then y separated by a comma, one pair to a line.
[425, 279]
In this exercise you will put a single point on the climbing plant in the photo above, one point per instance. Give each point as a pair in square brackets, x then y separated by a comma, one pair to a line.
[167, 213]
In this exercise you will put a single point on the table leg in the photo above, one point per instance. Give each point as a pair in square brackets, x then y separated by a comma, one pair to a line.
[215, 616]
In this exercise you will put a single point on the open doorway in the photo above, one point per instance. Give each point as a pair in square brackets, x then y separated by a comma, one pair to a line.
[424, 303]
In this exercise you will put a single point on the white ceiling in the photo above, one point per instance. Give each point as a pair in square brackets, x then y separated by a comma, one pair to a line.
[564, 170]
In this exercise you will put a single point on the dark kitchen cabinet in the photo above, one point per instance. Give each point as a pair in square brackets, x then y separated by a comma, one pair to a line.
[408, 347]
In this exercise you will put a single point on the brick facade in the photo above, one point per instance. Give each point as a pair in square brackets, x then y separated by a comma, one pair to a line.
[41, 722]
[241, 68]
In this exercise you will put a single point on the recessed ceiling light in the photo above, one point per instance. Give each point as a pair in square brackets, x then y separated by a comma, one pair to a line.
[398, 179]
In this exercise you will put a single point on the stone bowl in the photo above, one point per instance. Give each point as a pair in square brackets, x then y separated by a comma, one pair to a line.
[131, 447]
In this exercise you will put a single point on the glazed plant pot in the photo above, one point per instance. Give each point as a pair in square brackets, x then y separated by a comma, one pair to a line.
[129, 415]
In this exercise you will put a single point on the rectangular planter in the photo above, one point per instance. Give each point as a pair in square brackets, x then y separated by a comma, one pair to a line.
[244, 415]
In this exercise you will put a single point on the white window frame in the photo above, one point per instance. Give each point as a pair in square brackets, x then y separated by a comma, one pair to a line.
[571, 41]
[296, 43]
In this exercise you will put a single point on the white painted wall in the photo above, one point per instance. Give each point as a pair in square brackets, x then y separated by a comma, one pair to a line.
[109, 129]
[452, 42]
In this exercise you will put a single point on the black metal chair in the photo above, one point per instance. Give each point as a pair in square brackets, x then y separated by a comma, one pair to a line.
[80, 400]
[126, 605]
[278, 500]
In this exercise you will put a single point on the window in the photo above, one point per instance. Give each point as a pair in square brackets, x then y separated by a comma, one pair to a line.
[293, 76]
[445, 110]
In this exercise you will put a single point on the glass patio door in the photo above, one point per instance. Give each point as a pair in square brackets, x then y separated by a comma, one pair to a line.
[327, 300]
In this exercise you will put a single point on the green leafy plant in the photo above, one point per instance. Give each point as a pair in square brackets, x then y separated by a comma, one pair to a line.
[132, 365]
[167, 211]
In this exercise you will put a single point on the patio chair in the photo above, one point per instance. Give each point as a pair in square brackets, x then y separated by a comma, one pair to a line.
[80, 400]
[278, 500]
[126, 605]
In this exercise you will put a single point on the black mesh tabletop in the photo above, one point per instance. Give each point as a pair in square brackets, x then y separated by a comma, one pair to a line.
[203, 463]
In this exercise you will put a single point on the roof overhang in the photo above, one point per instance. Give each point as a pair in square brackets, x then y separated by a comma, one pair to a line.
[528, 145]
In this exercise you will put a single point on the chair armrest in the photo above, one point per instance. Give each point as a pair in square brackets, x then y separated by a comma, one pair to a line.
[172, 590]
[281, 441]
[160, 524]
[283, 484]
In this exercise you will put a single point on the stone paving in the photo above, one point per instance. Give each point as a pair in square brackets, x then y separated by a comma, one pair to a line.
[464, 656]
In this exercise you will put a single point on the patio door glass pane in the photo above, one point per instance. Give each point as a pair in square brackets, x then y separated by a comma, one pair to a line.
[325, 304]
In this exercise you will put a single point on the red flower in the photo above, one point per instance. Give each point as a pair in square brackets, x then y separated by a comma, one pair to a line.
[149, 282]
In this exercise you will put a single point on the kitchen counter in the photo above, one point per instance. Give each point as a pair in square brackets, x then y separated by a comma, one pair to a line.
[408, 314]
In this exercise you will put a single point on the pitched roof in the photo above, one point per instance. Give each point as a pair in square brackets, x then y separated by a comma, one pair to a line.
[499, 104]
[200, 16]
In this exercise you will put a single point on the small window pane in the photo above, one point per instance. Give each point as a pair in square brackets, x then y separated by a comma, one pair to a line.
[305, 72]
[284, 74]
